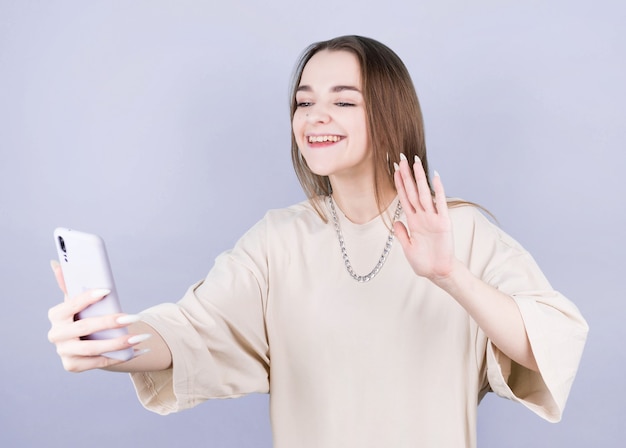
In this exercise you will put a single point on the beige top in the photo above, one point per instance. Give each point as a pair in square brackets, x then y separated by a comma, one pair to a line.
[395, 362]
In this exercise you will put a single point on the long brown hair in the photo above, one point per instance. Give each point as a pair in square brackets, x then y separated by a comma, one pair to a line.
[394, 117]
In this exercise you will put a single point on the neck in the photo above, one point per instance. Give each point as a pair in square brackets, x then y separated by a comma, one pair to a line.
[358, 202]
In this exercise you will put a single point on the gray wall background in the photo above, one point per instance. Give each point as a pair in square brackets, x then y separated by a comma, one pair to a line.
[163, 126]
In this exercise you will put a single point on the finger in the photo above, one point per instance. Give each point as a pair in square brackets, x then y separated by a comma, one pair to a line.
[80, 355]
[402, 234]
[58, 274]
[409, 182]
[76, 364]
[72, 306]
[84, 327]
[440, 196]
[97, 347]
[425, 197]
[405, 183]
[404, 200]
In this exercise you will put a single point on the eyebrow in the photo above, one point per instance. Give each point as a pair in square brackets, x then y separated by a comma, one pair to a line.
[334, 89]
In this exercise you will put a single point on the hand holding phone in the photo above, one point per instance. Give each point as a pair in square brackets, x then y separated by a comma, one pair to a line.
[85, 265]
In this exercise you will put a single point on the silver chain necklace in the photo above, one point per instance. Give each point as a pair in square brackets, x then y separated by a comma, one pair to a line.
[344, 253]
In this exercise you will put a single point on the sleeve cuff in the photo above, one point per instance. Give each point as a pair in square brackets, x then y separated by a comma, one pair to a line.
[557, 335]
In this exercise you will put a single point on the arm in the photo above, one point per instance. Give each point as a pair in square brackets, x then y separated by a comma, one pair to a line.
[494, 311]
[77, 355]
[212, 343]
[429, 247]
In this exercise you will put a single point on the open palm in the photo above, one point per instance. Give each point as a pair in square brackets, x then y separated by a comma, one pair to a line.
[427, 236]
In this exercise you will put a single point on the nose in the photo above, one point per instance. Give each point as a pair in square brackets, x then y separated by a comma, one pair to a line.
[317, 114]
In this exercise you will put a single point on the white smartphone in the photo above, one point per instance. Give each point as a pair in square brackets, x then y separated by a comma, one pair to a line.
[85, 265]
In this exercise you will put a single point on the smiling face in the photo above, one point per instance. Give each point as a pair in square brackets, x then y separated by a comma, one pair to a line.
[329, 123]
[384, 122]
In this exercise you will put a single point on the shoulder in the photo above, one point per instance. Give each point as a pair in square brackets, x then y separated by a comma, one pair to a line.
[278, 228]
[468, 219]
[296, 215]
[492, 254]
[296, 211]
[480, 239]
[281, 222]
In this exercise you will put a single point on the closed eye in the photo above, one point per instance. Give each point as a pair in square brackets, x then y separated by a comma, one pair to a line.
[344, 104]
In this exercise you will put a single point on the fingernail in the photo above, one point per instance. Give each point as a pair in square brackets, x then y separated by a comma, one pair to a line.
[128, 319]
[417, 159]
[100, 293]
[139, 338]
[396, 166]
[54, 264]
[402, 156]
[436, 174]
[143, 351]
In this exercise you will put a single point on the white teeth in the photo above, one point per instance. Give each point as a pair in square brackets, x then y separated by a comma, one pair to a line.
[323, 138]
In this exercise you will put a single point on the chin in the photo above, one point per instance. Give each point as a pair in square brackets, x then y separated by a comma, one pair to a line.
[322, 169]
[321, 172]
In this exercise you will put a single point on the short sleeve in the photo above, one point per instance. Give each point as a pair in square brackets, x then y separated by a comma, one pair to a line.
[216, 334]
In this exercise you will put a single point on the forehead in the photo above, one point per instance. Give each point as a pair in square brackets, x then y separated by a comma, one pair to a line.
[331, 68]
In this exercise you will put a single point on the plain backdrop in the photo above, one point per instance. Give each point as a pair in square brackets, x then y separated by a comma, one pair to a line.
[164, 127]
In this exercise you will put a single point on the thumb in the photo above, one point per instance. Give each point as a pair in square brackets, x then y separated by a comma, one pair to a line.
[402, 234]
[58, 274]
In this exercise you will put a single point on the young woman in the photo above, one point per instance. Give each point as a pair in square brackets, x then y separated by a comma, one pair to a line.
[360, 339]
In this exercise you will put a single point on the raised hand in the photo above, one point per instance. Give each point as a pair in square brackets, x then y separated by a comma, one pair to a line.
[427, 238]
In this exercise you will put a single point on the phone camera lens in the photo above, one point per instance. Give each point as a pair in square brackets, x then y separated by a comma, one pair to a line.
[62, 244]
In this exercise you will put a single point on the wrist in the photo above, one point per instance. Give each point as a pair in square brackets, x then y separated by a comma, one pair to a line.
[453, 279]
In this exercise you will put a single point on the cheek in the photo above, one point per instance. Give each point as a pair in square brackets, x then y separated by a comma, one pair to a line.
[296, 123]
[297, 138]
[297, 128]
[364, 134]
[362, 122]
